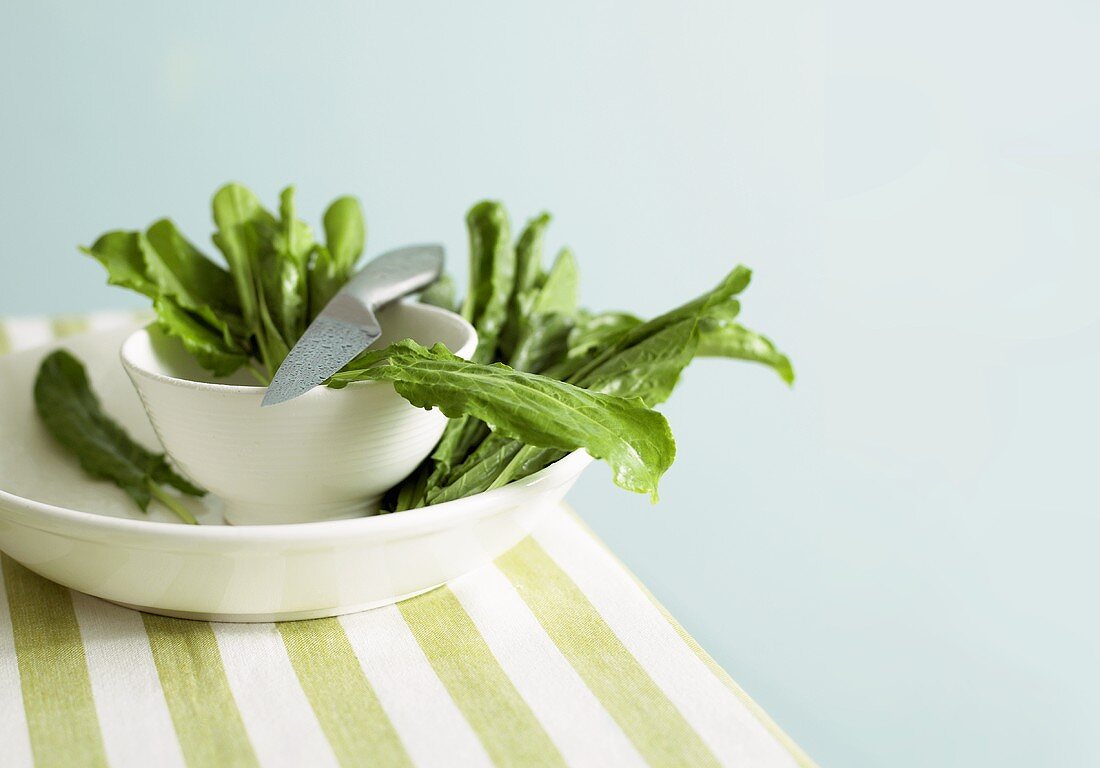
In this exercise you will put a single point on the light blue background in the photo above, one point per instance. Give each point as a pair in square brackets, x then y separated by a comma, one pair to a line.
[897, 558]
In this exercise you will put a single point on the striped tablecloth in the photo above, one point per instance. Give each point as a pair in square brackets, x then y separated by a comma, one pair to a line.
[553, 655]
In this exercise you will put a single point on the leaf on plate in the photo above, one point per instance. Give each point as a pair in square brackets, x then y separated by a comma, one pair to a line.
[72, 414]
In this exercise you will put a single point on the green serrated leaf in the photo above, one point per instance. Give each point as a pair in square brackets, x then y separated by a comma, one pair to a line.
[345, 234]
[535, 410]
[241, 219]
[120, 254]
[205, 343]
[726, 339]
[492, 275]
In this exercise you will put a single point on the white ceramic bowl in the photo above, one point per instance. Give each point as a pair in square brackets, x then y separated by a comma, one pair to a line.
[88, 535]
[326, 455]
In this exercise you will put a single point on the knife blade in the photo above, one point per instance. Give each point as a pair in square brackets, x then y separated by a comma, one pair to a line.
[348, 324]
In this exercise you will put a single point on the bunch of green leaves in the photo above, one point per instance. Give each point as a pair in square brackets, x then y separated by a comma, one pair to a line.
[547, 377]
[253, 308]
[72, 415]
[533, 332]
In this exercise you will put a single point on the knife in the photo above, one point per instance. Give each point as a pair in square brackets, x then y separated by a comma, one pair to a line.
[347, 325]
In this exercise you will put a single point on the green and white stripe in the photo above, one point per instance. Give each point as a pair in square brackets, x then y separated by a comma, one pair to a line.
[647, 716]
[193, 679]
[346, 706]
[484, 693]
[585, 732]
[555, 655]
[271, 694]
[49, 654]
[711, 709]
[430, 724]
[125, 685]
[14, 733]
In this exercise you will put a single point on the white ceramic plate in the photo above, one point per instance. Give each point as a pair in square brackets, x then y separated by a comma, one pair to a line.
[88, 535]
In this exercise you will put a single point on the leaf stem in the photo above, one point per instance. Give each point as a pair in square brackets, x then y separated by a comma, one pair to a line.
[258, 373]
[172, 504]
[265, 355]
[510, 468]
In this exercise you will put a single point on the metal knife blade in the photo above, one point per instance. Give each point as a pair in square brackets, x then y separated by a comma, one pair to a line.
[347, 325]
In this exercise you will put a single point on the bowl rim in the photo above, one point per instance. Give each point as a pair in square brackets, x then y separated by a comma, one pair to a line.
[392, 525]
[134, 367]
